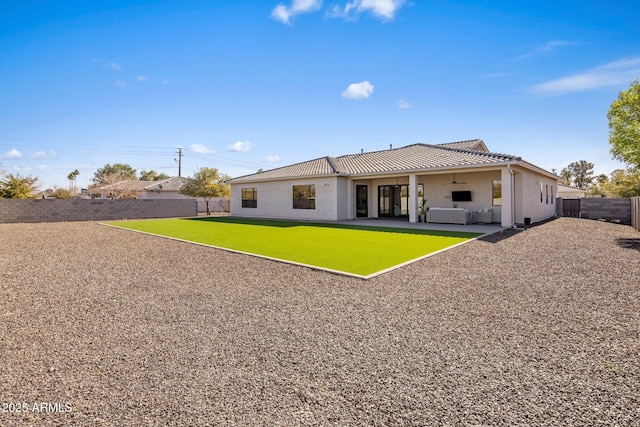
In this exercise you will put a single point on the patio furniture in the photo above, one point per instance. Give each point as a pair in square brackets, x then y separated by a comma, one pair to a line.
[484, 216]
[449, 215]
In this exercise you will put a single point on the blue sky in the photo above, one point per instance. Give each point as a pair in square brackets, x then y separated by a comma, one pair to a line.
[246, 84]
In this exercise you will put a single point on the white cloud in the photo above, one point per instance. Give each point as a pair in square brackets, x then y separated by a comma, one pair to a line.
[272, 159]
[385, 9]
[546, 48]
[121, 83]
[284, 13]
[199, 148]
[141, 78]
[13, 154]
[241, 146]
[622, 71]
[362, 90]
[402, 104]
[165, 81]
[43, 154]
[112, 66]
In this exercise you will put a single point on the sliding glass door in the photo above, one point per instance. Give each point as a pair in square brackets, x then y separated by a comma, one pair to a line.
[393, 201]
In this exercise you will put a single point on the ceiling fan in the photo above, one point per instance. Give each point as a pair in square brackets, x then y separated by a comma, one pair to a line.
[454, 182]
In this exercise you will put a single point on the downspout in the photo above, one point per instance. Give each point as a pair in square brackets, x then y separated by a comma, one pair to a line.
[513, 196]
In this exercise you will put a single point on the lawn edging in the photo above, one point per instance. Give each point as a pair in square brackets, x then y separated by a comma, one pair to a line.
[328, 268]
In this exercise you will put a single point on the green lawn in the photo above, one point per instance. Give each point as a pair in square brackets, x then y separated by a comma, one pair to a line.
[353, 249]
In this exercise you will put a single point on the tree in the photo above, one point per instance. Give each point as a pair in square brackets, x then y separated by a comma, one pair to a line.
[152, 175]
[61, 193]
[111, 174]
[18, 187]
[565, 176]
[598, 186]
[579, 174]
[72, 180]
[623, 183]
[206, 183]
[624, 126]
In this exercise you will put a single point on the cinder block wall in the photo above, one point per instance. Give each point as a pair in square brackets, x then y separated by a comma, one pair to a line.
[559, 206]
[54, 210]
[606, 208]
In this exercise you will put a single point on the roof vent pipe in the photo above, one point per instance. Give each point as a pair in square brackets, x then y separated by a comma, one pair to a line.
[390, 146]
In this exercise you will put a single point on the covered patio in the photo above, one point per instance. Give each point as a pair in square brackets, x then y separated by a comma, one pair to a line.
[403, 223]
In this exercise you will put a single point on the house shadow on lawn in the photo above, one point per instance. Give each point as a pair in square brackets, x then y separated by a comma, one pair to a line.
[288, 224]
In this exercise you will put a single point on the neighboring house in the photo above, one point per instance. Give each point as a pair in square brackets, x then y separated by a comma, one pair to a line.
[121, 190]
[164, 189]
[394, 183]
[566, 192]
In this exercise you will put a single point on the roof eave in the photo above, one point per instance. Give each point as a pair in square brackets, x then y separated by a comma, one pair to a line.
[493, 165]
[537, 169]
[288, 178]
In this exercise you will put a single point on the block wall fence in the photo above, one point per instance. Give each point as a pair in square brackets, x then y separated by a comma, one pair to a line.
[618, 210]
[59, 210]
[624, 211]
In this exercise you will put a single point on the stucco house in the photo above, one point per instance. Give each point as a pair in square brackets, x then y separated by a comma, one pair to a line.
[567, 192]
[163, 189]
[460, 179]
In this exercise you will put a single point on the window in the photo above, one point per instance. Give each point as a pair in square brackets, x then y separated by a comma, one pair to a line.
[552, 198]
[541, 192]
[547, 192]
[496, 192]
[250, 197]
[304, 196]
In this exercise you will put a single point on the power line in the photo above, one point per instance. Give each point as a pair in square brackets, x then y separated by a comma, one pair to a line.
[225, 160]
[33, 144]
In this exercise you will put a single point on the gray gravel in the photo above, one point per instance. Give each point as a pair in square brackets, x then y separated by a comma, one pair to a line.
[536, 327]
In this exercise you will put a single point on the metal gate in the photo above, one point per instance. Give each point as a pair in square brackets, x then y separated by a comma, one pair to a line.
[571, 207]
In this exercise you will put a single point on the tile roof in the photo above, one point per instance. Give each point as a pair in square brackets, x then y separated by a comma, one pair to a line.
[134, 186]
[414, 157]
[472, 144]
[170, 184]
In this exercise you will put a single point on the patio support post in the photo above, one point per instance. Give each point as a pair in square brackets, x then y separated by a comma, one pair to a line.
[507, 197]
[413, 198]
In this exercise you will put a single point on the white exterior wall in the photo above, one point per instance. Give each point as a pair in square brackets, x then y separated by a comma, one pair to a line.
[532, 207]
[275, 200]
[438, 188]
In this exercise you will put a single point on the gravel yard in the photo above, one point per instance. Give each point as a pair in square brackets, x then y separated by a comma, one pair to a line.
[102, 326]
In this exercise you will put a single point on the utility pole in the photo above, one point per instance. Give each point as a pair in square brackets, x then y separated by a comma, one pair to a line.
[179, 161]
